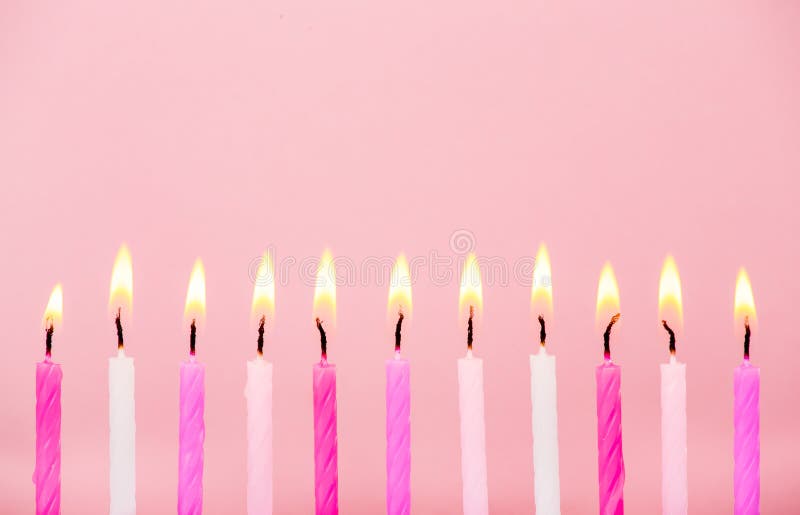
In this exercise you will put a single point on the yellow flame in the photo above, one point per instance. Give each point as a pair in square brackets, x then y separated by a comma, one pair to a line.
[471, 291]
[670, 304]
[54, 311]
[744, 305]
[542, 288]
[607, 296]
[196, 294]
[264, 289]
[325, 290]
[400, 288]
[121, 290]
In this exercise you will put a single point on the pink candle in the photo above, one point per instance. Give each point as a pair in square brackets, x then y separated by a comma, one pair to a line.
[47, 474]
[326, 471]
[746, 444]
[192, 434]
[398, 432]
[610, 465]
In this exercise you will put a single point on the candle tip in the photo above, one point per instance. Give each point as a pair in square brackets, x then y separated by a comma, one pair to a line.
[469, 328]
[118, 323]
[192, 338]
[747, 338]
[260, 342]
[397, 330]
[48, 338]
[671, 337]
[542, 332]
[323, 340]
[607, 337]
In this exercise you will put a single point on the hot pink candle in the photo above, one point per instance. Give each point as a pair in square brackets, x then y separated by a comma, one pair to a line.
[746, 443]
[326, 468]
[610, 465]
[192, 434]
[47, 474]
[398, 432]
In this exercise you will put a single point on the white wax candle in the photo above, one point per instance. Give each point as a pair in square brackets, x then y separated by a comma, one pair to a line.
[473, 436]
[258, 393]
[545, 433]
[122, 438]
[674, 489]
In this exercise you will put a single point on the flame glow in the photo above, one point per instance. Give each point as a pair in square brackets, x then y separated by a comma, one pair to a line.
[121, 290]
[399, 289]
[54, 311]
[542, 288]
[471, 291]
[325, 290]
[670, 304]
[264, 290]
[607, 296]
[744, 305]
[196, 294]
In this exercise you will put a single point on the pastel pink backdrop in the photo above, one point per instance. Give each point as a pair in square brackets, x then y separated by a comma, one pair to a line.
[621, 131]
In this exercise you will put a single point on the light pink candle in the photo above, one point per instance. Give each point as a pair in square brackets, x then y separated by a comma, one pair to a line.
[326, 468]
[610, 465]
[47, 474]
[746, 442]
[398, 432]
[192, 434]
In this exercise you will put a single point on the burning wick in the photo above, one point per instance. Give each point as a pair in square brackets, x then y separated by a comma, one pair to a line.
[607, 337]
[671, 337]
[48, 338]
[542, 333]
[118, 322]
[397, 330]
[192, 338]
[260, 348]
[746, 338]
[469, 328]
[323, 340]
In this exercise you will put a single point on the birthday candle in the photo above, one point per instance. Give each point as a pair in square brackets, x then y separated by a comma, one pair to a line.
[398, 401]
[192, 430]
[544, 413]
[475, 492]
[47, 474]
[258, 393]
[610, 465]
[674, 486]
[121, 404]
[326, 461]
[746, 418]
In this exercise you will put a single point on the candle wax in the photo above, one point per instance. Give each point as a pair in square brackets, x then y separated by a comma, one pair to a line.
[610, 465]
[674, 487]
[326, 468]
[192, 435]
[122, 435]
[475, 493]
[258, 393]
[544, 424]
[747, 447]
[398, 437]
[47, 474]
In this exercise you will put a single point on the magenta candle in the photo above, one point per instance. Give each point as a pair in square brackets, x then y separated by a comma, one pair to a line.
[326, 468]
[192, 434]
[746, 443]
[47, 474]
[398, 431]
[610, 465]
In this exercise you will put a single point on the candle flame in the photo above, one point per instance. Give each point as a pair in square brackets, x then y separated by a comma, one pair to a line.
[744, 305]
[264, 290]
[121, 291]
[399, 289]
[325, 290]
[471, 291]
[196, 294]
[607, 296]
[670, 304]
[542, 288]
[54, 311]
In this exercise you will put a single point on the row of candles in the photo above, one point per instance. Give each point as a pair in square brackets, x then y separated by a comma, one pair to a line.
[258, 393]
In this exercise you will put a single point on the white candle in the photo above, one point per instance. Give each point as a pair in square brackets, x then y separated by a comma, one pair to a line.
[122, 441]
[121, 404]
[473, 435]
[545, 433]
[259, 436]
[673, 438]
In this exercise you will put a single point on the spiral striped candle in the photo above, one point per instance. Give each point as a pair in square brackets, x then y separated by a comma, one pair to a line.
[192, 435]
[398, 436]
[747, 451]
[610, 465]
[326, 471]
[47, 474]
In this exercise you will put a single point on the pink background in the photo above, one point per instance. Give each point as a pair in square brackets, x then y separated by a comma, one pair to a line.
[610, 130]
